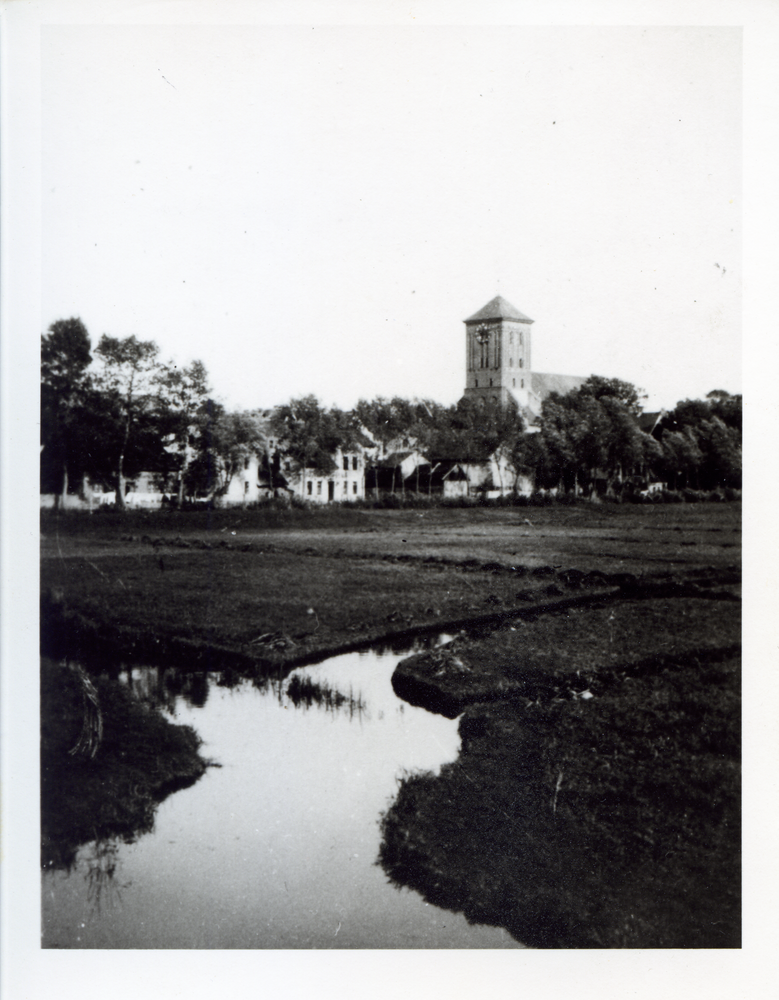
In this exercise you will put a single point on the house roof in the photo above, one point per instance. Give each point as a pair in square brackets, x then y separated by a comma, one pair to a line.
[649, 421]
[499, 308]
[396, 458]
[448, 468]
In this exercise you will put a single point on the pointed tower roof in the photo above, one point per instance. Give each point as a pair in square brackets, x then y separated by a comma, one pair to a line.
[498, 308]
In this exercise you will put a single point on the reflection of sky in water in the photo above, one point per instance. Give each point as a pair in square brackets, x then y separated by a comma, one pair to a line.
[277, 847]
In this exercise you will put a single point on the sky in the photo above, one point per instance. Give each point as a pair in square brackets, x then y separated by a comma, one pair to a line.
[316, 209]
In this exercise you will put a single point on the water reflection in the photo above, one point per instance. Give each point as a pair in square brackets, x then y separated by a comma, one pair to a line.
[161, 687]
[101, 861]
[141, 759]
[277, 847]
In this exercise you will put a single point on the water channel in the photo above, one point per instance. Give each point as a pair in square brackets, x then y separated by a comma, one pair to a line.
[277, 847]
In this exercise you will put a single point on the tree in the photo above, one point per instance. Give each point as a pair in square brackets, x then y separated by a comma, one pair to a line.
[680, 456]
[702, 441]
[128, 377]
[308, 434]
[727, 408]
[601, 388]
[183, 393]
[475, 429]
[388, 421]
[234, 438]
[574, 430]
[593, 428]
[65, 358]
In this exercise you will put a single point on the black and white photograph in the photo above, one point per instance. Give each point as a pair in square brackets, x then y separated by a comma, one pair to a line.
[387, 419]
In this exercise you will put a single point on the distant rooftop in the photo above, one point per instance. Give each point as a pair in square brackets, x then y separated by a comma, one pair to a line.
[499, 308]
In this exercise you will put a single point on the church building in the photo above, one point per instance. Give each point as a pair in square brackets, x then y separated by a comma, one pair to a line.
[498, 361]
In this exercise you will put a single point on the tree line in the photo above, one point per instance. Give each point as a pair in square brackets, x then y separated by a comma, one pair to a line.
[118, 409]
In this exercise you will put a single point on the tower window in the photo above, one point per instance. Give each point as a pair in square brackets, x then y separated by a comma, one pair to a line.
[511, 362]
[521, 363]
[522, 384]
[490, 381]
[477, 383]
[514, 383]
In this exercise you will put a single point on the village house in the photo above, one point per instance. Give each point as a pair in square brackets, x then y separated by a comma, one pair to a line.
[259, 480]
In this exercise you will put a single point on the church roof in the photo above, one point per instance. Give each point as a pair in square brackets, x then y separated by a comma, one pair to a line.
[498, 308]
[542, 384]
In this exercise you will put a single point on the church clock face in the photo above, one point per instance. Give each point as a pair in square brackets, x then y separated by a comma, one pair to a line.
[483, 340]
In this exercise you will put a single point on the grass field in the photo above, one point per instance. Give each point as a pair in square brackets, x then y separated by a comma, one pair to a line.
[276, 589]
[596, 799]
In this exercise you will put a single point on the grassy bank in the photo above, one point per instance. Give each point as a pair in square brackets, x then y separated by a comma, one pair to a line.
[596, 798]
[611, 822]
[555, 650]
[141, 759]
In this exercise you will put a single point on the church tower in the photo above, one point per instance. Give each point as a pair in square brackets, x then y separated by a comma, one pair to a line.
[497, 361]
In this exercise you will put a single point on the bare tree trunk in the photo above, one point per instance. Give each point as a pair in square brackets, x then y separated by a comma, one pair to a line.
[120, 468]
[182, 473]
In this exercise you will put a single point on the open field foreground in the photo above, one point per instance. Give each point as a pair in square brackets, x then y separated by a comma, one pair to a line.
[595, 670]
[237, 588]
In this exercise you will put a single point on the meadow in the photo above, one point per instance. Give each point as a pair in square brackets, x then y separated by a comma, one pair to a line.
[595, 669]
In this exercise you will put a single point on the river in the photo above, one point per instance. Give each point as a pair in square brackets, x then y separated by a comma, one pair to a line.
[277, 846]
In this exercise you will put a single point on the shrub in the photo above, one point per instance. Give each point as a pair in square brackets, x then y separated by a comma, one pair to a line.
[458, 502]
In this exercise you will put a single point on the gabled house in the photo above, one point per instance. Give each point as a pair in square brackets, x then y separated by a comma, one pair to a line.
[449, 478]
